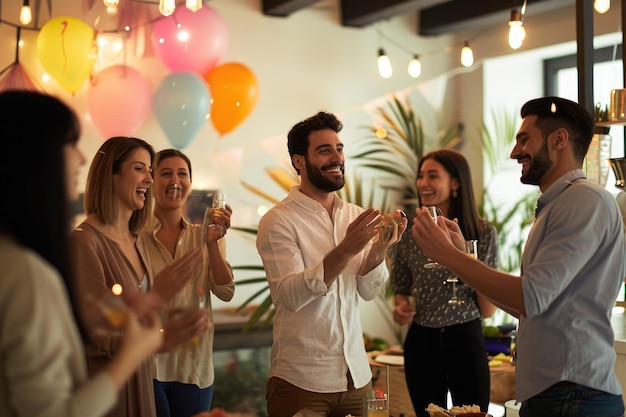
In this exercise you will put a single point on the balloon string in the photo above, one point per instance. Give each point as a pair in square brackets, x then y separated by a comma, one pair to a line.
[64, 27]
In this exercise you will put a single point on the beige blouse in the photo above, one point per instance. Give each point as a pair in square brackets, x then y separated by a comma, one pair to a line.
[99, 263]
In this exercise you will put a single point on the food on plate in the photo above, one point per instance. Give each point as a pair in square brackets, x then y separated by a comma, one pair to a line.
[436, 411]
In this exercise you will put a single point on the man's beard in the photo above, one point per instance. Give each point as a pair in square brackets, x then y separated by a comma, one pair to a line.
[539, 165]
[318, 180]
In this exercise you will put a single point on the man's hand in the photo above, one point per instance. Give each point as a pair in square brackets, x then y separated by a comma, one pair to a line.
[437, 240]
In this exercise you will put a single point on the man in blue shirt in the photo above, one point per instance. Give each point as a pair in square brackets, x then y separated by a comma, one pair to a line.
[573, 265]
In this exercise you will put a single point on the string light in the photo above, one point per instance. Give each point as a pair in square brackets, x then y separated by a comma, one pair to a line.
[415, 67]
[194, 5]
[26, 14]
[111, 3]
[517, 33]
[167, 7]
[467, 55]
[384, 64]
[602, 6]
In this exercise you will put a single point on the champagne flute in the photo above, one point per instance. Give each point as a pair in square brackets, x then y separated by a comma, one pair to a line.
[434, 211]
[471, 248]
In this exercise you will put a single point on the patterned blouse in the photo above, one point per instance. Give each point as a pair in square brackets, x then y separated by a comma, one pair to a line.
[429, 286]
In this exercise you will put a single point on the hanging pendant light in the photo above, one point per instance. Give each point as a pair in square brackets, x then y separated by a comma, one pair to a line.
[517, 33]
[467, 55]
[602, 6]
[415, 67]
[384, 64]
[167, 7]
[26, 14]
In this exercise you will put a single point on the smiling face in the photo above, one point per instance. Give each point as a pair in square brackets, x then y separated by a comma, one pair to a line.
[531, 150]
[132, 180]
[74, 160]
[435, 185]
[324, 162]
[172, 183]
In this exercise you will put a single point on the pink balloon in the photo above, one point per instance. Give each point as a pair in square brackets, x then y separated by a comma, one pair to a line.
[190, 41]
[119, 101]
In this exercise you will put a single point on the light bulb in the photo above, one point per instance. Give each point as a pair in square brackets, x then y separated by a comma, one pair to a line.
[26, 14]
[602, 6]
[167, 7]
[384, 64]
[467, 55]
[111, 3]
[415, 67]
[517, 33]
[194, 5]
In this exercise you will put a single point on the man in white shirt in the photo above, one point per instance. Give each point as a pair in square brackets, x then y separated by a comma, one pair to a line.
[320, 254]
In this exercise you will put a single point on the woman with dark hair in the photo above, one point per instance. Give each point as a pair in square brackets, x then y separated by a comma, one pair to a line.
[42, 364]
[184, 383]
[109, 250]
[444, 347]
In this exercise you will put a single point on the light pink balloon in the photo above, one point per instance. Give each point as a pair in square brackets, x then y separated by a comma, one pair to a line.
[119, 101]
[190, 41]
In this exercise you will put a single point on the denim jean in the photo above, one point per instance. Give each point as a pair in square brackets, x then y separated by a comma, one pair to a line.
[567, 399]
[174, 399]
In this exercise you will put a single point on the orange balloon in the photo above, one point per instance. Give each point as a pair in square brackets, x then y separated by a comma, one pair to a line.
[234, 91]
[67, 51]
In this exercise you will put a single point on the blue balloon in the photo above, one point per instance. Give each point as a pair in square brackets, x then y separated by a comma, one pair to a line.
[180, 104]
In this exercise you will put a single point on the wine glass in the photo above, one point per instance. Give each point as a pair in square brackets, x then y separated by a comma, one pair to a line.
[471, 248]
[434, 211]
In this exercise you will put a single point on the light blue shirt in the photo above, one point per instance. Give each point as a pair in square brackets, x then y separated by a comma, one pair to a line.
[572, 268]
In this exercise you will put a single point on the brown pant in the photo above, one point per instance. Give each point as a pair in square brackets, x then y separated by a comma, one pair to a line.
[285, 400]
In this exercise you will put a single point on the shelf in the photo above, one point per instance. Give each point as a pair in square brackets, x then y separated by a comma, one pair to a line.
[615, 123]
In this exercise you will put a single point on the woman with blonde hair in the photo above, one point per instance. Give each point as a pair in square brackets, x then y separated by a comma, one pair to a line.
[109, 250]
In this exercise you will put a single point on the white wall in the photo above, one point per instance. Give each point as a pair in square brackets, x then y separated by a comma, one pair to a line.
[305, 63]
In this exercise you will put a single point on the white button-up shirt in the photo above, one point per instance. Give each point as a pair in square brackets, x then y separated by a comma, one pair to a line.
[317, 330]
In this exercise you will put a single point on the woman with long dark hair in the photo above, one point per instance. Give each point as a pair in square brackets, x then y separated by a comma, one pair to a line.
[42, 359]
[444, 348]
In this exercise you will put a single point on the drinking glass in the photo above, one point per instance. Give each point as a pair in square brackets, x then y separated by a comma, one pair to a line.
[219, 202]
[471, 248]
[377, 407]
[197, 301]
[434, 211]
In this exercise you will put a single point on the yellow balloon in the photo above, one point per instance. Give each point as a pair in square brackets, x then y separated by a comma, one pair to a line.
[67, 50]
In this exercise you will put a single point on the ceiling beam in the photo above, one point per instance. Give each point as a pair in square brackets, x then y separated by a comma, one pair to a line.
[360, 13]
[284, 8]
[459, 15]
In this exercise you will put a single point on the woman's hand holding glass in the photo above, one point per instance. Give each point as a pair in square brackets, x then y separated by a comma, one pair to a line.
[216, 223]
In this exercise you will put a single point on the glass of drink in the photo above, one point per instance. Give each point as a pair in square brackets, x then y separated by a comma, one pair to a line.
[434, 211]
[377, 407]
[219, 202]
[113, 308]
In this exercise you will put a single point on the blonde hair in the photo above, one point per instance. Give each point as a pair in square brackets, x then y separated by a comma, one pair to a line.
[99, 191]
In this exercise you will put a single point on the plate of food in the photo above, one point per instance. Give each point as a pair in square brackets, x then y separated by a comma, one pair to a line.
[396, 360]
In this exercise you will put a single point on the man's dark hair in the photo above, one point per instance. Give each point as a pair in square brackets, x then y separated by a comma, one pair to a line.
[298, 136]
[556, 112]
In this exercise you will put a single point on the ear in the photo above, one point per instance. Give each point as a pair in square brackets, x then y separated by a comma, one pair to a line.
[298, 162]
[454, 184]
[560, 139]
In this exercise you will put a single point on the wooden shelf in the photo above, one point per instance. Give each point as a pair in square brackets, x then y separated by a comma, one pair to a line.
[615, 123]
